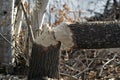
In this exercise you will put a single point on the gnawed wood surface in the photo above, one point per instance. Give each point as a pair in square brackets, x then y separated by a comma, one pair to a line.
[91, 35]
[44, 62]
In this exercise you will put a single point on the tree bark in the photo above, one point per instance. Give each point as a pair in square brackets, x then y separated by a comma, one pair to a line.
[89, 35]
[5, 30]
[38, 14]
[96, 35]
[44, 62]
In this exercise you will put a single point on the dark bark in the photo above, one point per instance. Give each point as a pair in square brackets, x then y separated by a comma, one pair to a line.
[96, 35]
[44, 62]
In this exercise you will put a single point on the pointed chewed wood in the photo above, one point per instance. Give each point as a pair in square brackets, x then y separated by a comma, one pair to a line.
[44, 61]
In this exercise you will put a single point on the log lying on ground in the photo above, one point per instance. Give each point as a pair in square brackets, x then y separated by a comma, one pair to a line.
[44, 61]
[89, 35]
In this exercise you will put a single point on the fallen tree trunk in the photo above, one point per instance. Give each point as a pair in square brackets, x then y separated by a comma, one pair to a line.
[89, 35]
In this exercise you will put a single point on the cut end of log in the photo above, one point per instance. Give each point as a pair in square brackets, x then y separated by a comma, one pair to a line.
[50, 36]
[64, 35]
[46, 37]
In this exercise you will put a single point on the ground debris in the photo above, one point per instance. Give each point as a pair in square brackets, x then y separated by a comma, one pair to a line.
[92, 64]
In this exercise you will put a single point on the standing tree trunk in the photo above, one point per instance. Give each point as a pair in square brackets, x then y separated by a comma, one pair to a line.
[44, 62]
[37, 15]
[5, 30]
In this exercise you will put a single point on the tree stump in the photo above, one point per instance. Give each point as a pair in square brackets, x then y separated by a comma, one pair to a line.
[44, 62]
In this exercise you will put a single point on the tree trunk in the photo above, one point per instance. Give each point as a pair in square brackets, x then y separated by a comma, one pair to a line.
[44, 62]
[90, 35]
[96, 35]
[38, 14]
[5, 30]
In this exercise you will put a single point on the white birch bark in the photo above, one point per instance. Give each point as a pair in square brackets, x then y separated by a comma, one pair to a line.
[13, 16]
[19, 23]
[37, 14]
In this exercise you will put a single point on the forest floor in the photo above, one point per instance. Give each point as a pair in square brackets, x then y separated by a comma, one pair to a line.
[103, 64]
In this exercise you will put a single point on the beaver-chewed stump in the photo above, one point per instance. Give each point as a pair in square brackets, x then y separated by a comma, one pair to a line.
[89, 35]
[44, 61]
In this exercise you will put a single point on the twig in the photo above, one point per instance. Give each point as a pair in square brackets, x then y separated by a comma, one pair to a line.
[73, 77]
[106, 64]
[71, 68]
[85, 69]
[28, 24]
[6, 39]
[11, 44]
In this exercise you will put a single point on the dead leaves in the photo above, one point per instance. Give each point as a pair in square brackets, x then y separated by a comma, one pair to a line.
[27, 7]
[63, 14]
[66, 7]
[92, 74]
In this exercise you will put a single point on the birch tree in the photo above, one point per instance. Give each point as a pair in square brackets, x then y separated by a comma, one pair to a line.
[5, 28]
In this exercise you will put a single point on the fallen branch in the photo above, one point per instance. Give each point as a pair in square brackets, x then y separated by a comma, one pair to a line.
[69, 76]
[101, 70]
